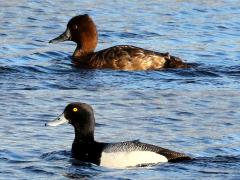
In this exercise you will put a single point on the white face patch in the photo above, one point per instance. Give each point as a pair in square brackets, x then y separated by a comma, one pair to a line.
[130, 159]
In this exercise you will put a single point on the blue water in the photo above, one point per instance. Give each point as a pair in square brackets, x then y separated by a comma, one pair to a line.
[196, 110]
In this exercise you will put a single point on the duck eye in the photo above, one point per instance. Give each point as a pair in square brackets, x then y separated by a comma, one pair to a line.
[75, 26]
[75, 109]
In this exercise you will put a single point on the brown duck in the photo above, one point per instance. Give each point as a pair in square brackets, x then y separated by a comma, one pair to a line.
[82, 30]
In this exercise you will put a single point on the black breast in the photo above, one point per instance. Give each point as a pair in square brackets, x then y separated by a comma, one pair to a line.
[88, 152]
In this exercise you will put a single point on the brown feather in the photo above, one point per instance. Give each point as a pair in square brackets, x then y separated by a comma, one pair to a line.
[82, 30]
[128, 58]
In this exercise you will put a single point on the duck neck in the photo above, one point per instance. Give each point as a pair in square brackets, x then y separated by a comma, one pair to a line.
[86, 45]
[79, 52]
[82, 145]
[83, 136]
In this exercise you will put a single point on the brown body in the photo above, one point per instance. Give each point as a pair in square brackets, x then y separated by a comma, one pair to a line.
[128, 58]
[82, 30]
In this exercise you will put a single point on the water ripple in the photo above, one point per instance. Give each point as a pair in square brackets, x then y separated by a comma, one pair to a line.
[193, 110]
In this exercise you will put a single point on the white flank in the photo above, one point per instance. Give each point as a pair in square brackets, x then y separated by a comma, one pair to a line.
[130, 159]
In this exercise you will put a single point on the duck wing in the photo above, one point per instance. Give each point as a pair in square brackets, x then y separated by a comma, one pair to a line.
[126, 57]
[130, 146]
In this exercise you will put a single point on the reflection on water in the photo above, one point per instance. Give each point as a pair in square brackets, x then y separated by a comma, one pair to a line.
[194, 110]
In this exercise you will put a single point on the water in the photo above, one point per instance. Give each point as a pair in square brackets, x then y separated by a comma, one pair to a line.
[194, 110]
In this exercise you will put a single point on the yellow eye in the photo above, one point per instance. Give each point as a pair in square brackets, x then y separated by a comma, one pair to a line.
[75, 109]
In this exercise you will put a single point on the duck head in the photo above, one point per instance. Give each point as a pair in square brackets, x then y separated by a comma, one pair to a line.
[81, 117]
[82, 30]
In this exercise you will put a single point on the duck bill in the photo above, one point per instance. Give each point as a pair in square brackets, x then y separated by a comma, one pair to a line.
[66, 36]
[58, 121]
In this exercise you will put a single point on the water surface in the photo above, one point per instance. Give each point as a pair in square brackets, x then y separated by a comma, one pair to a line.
[194, 110]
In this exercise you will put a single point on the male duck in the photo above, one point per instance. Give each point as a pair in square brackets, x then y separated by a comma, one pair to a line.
[114, 155]
[82, 30]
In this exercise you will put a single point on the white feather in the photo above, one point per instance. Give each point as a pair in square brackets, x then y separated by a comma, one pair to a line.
[130, 159]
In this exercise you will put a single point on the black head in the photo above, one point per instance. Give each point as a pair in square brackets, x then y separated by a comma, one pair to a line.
[81, 116]
[82, 30]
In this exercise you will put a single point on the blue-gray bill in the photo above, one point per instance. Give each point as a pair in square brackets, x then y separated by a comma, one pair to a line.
[66, 36]
[58, 121]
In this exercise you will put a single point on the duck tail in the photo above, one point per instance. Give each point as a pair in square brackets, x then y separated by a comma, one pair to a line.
[180, 159]
[175, 62]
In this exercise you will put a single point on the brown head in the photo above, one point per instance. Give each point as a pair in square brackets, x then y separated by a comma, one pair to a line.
[82, 30]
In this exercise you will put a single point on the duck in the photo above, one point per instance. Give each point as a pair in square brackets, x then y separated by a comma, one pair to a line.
[82, 30]
[112, 155]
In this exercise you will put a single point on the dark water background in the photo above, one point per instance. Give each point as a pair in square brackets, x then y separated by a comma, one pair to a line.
[196, 111]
